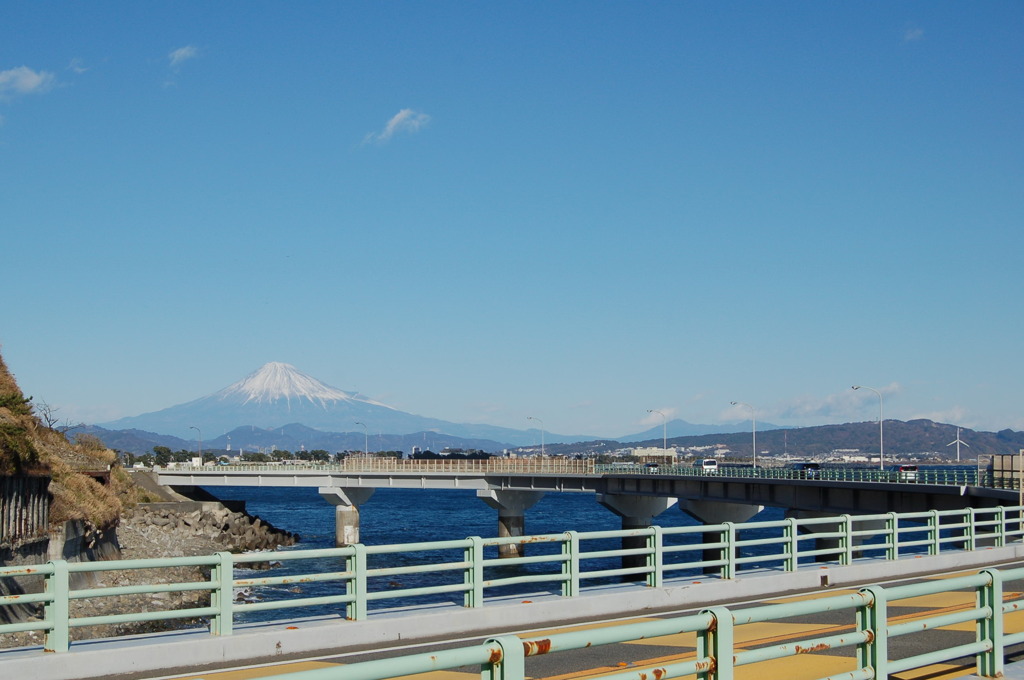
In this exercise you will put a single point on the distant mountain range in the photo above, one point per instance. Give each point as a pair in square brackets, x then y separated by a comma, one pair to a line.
[279, 395]
[292, 437]
[279, 406]
[901, 437]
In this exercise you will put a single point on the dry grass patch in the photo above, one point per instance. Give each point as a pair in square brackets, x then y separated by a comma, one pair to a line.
[27, 446]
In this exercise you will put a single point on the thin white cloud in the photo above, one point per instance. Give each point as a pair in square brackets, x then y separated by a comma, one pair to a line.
[183, 54]
[77, 65]
[655, 418]
[23, 80]
[955, 415]
[913, 35]
[739, 412]
[846, 405]
[842, 405]
[406, 120]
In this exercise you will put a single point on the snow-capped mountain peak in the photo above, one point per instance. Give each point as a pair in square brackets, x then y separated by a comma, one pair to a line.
[279, 381]
[279, 395]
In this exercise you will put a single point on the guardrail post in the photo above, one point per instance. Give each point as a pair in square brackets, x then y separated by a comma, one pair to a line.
[717, 643]
[58, 609]
[970, 531]
[511, 665]
[1000, 531]
[873, 617]
[729, 552]
[655, 558]
[892, 528]
[222, 581]
[473, 575]
[846, 541]
[356, 584]
[933, 532]
[990, 629]
[571, 566]
[1017, 521]
[791, 533]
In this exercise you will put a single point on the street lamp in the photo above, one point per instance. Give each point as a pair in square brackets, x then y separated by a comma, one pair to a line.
[366, 440]
[664, 427]
[541, 432]
[193, 427]
[753, 427]
[881, 438]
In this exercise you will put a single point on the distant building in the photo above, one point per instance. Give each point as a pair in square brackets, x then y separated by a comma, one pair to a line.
[654, 454]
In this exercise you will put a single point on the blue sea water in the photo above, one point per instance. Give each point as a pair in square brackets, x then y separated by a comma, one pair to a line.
[412, 515]
[402, 516]
[396, 516]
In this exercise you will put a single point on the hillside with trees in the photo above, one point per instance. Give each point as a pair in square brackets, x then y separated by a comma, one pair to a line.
[901, 438]
[85, 484]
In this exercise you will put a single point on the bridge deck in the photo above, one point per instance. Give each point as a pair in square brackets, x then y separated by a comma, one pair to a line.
[840, 491]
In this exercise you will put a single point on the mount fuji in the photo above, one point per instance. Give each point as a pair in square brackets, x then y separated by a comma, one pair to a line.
[278, 394]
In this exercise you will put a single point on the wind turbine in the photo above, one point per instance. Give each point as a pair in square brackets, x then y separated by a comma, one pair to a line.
[958, 443]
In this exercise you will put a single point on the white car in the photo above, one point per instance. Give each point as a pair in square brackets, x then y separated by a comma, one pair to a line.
[907, 473]
[708, 466]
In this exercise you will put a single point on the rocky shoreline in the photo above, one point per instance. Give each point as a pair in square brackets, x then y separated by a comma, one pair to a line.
[157, 531]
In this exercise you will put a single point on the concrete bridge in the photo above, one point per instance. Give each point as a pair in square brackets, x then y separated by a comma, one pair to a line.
[635, 493]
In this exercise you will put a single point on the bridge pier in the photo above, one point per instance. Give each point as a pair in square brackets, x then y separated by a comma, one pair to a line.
[636, 512]
[511, 507]
[716, 512]
[346, 504]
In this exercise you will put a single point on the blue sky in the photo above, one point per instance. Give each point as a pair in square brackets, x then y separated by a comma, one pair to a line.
[482, 212]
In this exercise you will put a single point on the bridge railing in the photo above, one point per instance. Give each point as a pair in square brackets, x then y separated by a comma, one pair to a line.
[953, 476]
[388, 464]
[943, 476]
[354, 579]
[718, 629]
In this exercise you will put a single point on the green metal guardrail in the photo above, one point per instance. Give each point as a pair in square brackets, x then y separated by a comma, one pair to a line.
[717, 655]
[470, 567]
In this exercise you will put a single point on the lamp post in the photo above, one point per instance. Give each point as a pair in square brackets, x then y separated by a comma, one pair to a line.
[664, 427]
[366, 440]
[541, 432]
[193, 427]
[753, 427]
[1020, 478]
[881, 437]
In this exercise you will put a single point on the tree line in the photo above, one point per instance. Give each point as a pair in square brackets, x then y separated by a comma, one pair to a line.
[163, 455]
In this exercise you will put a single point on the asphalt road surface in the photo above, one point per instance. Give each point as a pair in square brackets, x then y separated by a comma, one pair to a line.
[596, 661]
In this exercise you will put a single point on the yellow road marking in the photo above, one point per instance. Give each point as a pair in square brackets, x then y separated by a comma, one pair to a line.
[586, 626]
[801, 667]
[263, 671]
[939, 671]
[953, 574]
[810, 596]
[960, 599]
[750, 634]
[438, 675]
